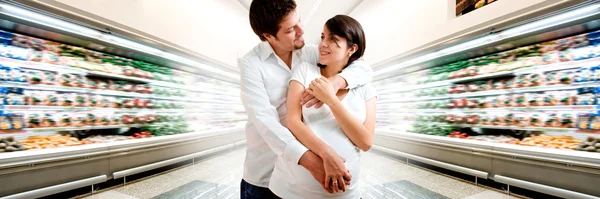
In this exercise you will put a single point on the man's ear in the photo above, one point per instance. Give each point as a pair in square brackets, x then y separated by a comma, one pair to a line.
[268, 36]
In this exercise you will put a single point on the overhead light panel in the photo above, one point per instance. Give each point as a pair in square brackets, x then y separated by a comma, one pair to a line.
[559, 19]
[44, 20]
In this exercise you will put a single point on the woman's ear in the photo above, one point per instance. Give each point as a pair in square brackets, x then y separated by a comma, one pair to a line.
[353, 49]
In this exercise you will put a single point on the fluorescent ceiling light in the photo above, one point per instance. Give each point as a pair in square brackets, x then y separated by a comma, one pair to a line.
[506, 34]
[94, 34]
[48, 21]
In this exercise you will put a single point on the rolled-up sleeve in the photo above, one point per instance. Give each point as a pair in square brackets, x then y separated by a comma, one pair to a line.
[264, 115]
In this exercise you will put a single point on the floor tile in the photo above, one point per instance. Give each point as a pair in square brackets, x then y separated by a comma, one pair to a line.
[219, 177]
[110, 194]
[490, 195]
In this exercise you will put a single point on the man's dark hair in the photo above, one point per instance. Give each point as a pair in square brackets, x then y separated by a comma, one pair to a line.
[347, 27]
[265, 15]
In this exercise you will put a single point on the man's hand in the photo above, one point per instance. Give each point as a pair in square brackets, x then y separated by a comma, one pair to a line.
[309, 101]
[314, 164]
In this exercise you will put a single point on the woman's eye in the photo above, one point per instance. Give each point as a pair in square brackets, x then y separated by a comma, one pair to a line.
[322, 38]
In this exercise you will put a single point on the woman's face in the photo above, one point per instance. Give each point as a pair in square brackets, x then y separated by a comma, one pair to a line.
[333, 50]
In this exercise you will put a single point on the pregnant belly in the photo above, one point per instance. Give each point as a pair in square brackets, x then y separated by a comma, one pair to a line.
[343, 146]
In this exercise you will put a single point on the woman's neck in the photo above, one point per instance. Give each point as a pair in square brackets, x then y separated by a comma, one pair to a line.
[332, 70]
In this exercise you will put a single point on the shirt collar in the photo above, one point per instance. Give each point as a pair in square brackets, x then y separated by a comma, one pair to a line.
[266, 50]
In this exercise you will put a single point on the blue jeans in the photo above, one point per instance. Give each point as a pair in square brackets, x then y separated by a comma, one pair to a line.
[249, 191]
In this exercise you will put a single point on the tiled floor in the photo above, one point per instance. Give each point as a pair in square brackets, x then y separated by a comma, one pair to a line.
[219, 177]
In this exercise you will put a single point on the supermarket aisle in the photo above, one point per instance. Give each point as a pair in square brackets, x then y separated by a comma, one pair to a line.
[219, 177]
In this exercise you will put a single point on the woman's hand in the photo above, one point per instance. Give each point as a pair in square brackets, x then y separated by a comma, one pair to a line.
[323, 90]
[336, 174]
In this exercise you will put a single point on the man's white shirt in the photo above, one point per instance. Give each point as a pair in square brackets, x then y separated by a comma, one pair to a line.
[264, 85]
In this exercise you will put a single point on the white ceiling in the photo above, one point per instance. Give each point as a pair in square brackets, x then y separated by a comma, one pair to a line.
[315, 13]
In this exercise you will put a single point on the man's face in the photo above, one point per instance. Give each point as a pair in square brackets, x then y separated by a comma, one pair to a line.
[289, 37]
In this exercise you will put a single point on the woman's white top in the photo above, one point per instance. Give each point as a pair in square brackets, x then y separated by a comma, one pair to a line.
[294, 181]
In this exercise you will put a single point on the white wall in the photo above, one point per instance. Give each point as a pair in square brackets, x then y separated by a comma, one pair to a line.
[215, 28]
[394, 27]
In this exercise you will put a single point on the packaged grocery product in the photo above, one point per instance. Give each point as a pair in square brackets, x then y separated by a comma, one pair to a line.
[16, 75]
[128, 119]
[129, 103]
[509, 83]
[102, 84]
[106, 102]
[508, 100]
[567, 98]
[50, 57]
[5, 123]
[583, 121]
[103, 120]
[484, 103]
[35, 77]
[36, 98]
[150, 118]
[91, 83]
[127, 87]
[498, 119]
[472, 119]
[65, 79]
[34, 120]
[568, 120]
[583, 74]
[484, 119]
[128, 70]
[35, 56]
[54, 99]
[115, 119]
[551, 57]
[552, 120]
[92, 119]
[509, 119]
[521, 100]
[498, 84]
[15, 99]
[536, 79]
[117, 103]
[68, 99]
[536, 119]
[81, 100]
[565, 77]
[139, 103]
[50, 78]
[95, 101]
[17, 120]
[535, 99]
[522, 119]
[473, 87]
[66, 120]
[585, 99]
[594, 122]
[521, 81]
[78, 80]
[550, 99]
[148, 104]
[49, 120]
[552, 78]
[80, 119]
[4, 74]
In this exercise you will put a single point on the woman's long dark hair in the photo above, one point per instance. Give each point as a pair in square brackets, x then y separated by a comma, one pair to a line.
[347, 27]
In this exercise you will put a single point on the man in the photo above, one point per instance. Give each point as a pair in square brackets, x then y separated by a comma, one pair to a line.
[265, 75]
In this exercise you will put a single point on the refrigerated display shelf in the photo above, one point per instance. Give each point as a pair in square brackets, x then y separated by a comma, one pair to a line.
[561, 87]
[44, 87]
[574, 108]
[73, 70]
[517, 128]
[71, 108]
[77, 128]
[528, 70]
[41, 66]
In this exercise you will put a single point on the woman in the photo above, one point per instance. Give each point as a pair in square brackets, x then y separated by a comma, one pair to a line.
[339, 129]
